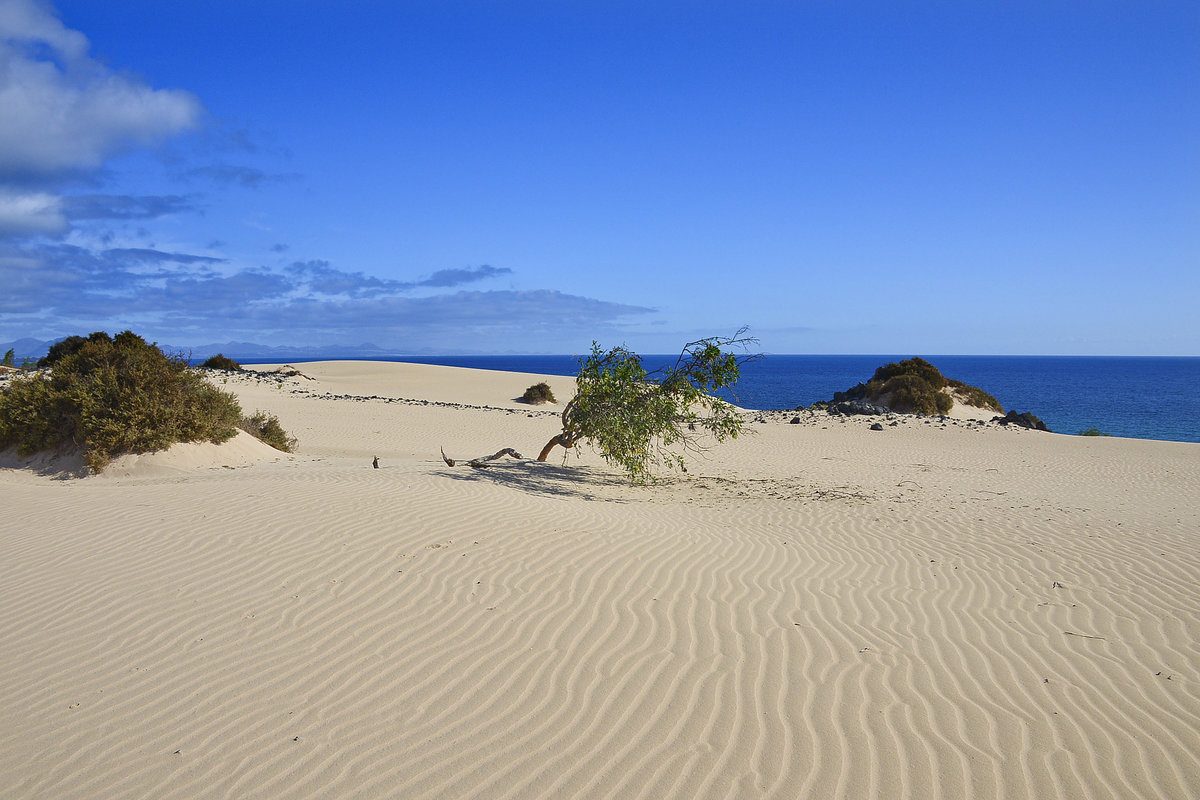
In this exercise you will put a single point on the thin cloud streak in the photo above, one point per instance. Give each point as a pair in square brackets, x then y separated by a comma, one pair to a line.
[125, 207]
[237, 175]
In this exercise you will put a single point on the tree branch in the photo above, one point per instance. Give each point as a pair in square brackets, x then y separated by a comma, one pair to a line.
[481, 462]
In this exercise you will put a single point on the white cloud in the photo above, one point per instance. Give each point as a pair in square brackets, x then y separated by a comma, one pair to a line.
[31, 21]
[65, 113]
[31, 212]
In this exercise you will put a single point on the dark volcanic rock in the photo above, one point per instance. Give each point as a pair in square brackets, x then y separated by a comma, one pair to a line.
[849, 408]
[853, 393]
[1025, 420]
[876, 427]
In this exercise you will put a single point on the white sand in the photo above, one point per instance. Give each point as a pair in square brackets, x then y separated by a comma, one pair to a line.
[935, 610]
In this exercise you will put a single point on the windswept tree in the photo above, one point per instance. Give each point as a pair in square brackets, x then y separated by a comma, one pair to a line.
[638, 420]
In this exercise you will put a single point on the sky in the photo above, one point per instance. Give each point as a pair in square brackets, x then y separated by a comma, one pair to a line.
[528, 177]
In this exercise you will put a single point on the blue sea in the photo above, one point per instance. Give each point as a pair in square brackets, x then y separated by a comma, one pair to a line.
[1137, 397]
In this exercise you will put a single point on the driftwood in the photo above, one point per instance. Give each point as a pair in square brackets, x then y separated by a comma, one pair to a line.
[481, 462]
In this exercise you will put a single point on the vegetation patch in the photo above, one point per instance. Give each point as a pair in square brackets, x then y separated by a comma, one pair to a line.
[266, 427]
[1093, 431]
[108, 396]
[538, 393]
[910, 394]
[220, 361]
[913, 367]
[68, 346]
[974, 396]
[915, 386]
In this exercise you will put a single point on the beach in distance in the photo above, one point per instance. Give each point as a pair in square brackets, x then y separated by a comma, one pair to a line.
[943, 607]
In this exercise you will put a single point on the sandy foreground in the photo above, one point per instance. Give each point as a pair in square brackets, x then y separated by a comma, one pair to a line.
[935, 610]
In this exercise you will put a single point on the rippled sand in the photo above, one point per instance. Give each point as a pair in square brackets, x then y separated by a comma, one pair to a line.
[938, 609]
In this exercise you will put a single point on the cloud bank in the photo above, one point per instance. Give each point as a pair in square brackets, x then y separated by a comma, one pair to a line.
[57, 289]
[64, 114]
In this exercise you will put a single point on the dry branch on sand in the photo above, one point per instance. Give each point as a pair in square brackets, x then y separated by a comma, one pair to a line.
[482, 461]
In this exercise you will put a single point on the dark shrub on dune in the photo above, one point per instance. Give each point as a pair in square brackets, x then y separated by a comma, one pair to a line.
[975, 396]
[69, 346]
[266, 427]
[914, 367]
[220, 361]
[113, 395]
[914, 386]
[538, 393]
[909, 394]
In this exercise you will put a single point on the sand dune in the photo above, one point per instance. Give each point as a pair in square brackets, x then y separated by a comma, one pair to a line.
[936, 610]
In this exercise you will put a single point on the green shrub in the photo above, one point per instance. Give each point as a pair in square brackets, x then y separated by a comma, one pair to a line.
[914, 386]
[220, 361]
[266, 427]
[916, 367]
[910, 394]
[110, 396]
[69, 346]
[943, 402]
[33, 416]
[974, 396]
[9, 359]
[539, 393]
[1093, 431]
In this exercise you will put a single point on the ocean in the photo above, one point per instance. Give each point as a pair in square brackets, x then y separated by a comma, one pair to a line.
[1136, 397]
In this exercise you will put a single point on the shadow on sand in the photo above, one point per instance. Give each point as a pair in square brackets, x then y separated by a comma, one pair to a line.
[540, 477]
[61, 465]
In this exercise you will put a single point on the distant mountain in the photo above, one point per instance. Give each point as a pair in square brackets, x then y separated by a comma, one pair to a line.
[27, 348]
[243, 350]
[36, 348]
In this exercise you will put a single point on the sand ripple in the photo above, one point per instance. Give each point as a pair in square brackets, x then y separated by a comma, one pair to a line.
[865, 621]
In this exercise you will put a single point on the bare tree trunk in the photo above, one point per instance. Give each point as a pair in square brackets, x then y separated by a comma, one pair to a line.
[562, 438]
[559, 439]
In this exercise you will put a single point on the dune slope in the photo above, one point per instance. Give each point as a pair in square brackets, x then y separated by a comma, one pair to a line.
[935, 610]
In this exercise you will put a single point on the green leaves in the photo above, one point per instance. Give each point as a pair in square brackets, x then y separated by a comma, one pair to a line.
[636, 420]
[109, 396]
[266, 428]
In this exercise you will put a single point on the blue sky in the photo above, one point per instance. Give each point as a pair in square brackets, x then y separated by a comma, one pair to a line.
[926, 178]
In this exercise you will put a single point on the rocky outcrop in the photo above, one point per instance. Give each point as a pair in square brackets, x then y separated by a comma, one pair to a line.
[1025, 420]
[913, 386]
[853, 393]
[849, 408]
[917, 387]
